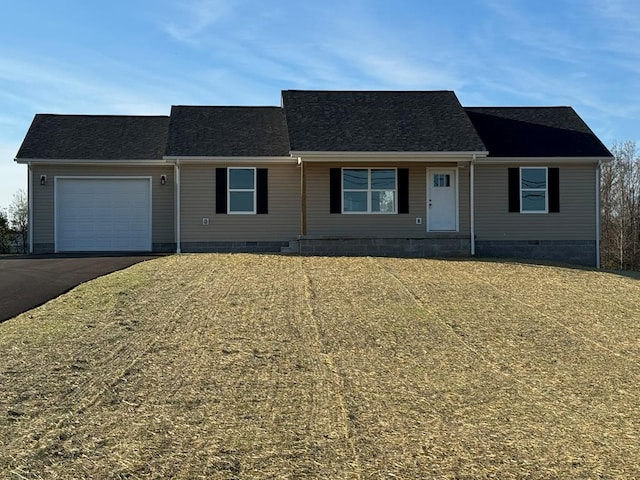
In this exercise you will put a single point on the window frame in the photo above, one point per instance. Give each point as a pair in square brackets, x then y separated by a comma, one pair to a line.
[254, 190]
[369, 191]
[545, 190]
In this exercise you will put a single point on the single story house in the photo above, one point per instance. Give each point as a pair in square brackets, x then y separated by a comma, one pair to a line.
[402, 173]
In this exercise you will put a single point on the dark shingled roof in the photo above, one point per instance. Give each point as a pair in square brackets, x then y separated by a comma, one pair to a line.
[535, 132]
[227, 131]
[95, 137]
[378, 121]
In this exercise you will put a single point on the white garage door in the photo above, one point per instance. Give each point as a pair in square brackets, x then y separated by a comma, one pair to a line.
[103, 214]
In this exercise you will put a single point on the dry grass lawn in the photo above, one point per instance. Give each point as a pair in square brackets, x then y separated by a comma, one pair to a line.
[258, 366]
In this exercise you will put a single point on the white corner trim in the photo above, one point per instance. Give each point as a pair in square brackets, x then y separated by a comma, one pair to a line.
[176, 170]
[472, 207]
[30, 206]
[598, 215]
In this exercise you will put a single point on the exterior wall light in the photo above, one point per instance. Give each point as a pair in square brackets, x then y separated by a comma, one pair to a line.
[43, 180]
[163, 179]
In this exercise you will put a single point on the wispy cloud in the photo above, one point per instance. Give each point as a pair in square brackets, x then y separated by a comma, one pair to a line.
[196, 17]
[43, 85]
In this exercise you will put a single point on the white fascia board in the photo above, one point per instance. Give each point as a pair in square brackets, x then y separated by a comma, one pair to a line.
[386, 156]
[539, 160]
[236, 160]
[97, 163]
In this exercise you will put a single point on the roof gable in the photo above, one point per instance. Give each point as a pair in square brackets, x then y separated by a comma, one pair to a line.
[196, 131]
[95, 137]
[535, 132]
[378, 121]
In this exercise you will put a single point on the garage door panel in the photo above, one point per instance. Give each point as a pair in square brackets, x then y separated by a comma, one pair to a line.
[103, 214]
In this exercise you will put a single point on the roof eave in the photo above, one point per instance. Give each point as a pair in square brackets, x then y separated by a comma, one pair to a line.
[558, 159]
[88, 161]
[229, 159]
[311, 156]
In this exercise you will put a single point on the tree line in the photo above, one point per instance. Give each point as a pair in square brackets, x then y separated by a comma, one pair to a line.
[14, 226]
[620, 208]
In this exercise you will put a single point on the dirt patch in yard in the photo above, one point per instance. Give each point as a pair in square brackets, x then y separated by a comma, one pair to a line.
[265, 366]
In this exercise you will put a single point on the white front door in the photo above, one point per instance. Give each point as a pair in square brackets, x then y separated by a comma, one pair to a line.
[442, 204]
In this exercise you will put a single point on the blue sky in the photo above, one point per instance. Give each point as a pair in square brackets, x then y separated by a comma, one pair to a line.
[142, 56]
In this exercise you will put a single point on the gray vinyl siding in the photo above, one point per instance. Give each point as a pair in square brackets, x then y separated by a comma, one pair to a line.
[198, 197]
[575, 221]
[163, 227]
[322, 223]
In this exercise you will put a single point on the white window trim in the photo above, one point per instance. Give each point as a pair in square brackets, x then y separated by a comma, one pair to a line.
[254, 190]
[545, 190]
[369, 190]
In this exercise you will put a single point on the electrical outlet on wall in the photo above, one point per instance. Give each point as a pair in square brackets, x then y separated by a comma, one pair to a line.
[418, 220]
[205, 221]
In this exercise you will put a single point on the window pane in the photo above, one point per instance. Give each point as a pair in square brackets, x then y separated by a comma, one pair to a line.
[383, 179]
[533, 201]
[355, 201]
[383, 201]
[241, 201]
[355, 179]
[534, 178]
[241, 178]
[442, 180]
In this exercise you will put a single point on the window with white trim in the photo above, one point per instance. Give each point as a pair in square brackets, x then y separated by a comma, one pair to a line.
[369, 190]
[241, 190]
[534, 190]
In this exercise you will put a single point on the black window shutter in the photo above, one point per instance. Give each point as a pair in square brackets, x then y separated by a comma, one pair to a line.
[403, 190]
[262, 191]
[221, 190]
[514, 190]
[554, 189]
[335, 190]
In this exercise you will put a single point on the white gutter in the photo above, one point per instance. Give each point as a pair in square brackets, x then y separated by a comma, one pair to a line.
[539, 160]
[231, 160]
[176, 170]
[343, 154]
[30, 206]
[98, 163]
[598, 215]
[371, 157]
[472, 203]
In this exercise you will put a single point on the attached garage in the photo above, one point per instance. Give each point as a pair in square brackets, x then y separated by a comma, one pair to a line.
[102, 214]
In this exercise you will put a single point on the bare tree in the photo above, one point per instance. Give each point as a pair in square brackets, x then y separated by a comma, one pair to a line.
[19, 216]
[620, 204]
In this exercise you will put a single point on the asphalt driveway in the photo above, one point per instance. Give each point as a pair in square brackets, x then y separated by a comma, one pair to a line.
[26, 282]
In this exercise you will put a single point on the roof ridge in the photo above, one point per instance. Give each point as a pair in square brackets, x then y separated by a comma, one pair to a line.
[227, 106]
[533, 107]
[370, 91]
[99, 115]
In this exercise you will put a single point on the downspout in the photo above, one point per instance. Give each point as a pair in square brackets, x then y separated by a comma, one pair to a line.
[303, 199]
[598, 214]
[472, 203]
[30, 206]
[176, 170]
